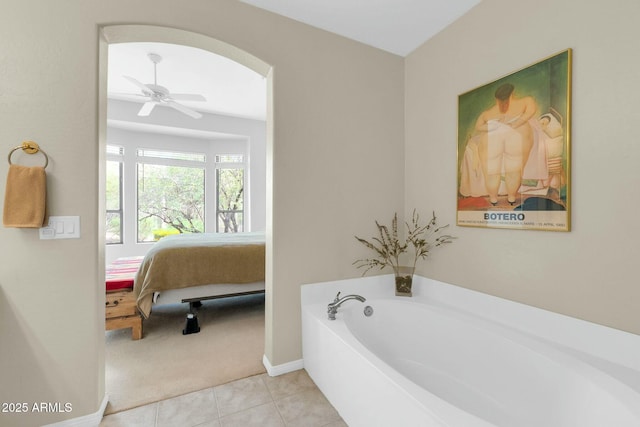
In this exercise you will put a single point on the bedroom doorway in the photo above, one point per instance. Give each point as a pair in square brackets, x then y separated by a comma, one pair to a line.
[144, 139]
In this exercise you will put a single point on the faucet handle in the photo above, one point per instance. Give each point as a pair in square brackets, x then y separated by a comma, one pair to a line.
[337, 297]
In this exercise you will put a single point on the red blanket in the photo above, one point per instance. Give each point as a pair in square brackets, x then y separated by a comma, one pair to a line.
[120, 273]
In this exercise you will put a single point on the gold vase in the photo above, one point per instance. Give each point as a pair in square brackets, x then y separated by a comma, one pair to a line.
[404, 280]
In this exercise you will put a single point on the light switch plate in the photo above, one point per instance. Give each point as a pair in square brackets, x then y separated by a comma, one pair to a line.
[61, 227]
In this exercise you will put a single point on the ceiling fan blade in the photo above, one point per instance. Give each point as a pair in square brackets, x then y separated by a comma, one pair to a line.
[183, 109]
[187, 97]
[144, 88]
[126, 94]
[146, 108]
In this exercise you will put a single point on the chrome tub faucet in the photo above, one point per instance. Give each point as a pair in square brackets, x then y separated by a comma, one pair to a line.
[332, 308]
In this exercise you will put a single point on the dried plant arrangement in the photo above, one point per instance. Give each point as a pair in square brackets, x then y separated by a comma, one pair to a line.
[389, 248]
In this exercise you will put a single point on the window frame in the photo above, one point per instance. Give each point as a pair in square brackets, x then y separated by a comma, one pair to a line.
[117, 157]
[211, 149]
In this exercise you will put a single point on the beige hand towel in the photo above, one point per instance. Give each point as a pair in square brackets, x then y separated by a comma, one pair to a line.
[25, 197]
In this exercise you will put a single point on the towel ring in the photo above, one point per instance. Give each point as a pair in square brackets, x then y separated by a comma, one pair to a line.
[30, 147]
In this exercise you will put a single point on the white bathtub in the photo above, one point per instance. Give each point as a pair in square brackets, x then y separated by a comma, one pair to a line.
[422, 362]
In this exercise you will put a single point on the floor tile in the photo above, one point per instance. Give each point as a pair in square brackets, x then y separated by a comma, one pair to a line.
[289, 400]
[289, 384]
[307, 409]
[216, 423]
[188, 410]
[339, 423]
[259, 416]
[241, 394]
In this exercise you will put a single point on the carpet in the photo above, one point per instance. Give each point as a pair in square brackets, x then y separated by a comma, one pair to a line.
[165, 363]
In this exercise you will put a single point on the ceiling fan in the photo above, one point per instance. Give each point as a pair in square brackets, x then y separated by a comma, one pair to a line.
[160, 95]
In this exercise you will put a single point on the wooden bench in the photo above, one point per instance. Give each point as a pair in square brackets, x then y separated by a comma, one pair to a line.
[121, 310]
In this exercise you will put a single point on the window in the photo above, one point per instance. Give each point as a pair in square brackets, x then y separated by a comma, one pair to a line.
[114, 195]
[229, 193]
[171, 193]
[171, 189]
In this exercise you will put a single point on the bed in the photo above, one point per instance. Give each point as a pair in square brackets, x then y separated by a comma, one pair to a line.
[199, 266]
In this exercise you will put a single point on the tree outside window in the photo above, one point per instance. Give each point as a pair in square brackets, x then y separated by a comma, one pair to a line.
[170, 200]
[230, 200]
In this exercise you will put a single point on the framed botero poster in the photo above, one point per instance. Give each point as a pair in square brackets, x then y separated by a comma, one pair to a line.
[514, 149]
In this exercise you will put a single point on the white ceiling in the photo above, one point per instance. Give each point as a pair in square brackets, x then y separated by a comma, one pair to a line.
[229, 87]
[397, 26]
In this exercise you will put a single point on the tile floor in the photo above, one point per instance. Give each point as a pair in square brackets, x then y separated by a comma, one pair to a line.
[287, 400]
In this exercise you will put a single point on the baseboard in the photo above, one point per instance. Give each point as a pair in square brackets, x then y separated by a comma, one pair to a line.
[91, 420]
[285, 368]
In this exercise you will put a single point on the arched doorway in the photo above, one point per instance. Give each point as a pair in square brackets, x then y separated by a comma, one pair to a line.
[122, 34]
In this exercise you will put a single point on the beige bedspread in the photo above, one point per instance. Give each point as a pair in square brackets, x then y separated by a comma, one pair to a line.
[186, 260]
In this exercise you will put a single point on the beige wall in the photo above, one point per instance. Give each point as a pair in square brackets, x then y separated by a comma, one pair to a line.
[341, 113]
[590, 272]
[337, 157]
